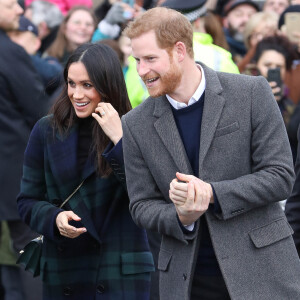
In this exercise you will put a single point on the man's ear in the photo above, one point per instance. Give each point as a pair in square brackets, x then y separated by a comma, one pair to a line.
[180, 50]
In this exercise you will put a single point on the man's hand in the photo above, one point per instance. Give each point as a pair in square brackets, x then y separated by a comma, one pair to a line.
[191, 197]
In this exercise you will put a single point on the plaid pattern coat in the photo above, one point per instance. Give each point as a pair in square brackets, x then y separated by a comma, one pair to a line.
[110, 261]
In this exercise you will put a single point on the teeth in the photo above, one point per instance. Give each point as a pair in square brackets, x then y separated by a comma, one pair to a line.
[82, 104]
[151, 80]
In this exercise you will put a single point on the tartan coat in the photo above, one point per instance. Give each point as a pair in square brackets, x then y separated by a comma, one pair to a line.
[112, 260]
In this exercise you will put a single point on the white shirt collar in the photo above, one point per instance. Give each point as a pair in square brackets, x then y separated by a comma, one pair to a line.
[198, 93]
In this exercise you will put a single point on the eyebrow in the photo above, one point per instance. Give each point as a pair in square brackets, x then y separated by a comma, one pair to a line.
[81, 81]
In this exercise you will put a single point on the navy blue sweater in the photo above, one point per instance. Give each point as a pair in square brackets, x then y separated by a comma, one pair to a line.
[188, 121]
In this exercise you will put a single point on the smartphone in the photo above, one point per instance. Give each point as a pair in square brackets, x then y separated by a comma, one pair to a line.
[292, 22]
[274, 75]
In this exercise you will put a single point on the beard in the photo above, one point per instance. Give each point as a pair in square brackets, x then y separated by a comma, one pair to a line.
[236, 33]
[168, 82]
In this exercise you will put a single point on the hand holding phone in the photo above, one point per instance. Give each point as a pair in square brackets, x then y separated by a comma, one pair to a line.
[275, 76]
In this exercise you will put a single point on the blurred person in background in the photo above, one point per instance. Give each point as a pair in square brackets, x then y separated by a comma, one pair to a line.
[48, 68]
[76, 29]
[277, 6]
[278, 52]
[47, 17]
[236, 14]
[115, 16]
[22, 102]
[260, 25]
[293, 76]
[137, 91]
[65, 5]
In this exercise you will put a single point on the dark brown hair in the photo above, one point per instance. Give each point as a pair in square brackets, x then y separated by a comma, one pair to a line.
[280, 44]
[213, 27]
[105, 73]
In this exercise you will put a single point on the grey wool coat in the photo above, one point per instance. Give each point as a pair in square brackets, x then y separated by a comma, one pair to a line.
[245, 155]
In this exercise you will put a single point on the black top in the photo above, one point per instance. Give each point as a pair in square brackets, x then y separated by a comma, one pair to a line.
[188, 121]
[84, 140]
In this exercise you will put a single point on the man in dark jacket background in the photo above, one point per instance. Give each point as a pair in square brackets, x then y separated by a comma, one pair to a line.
[22, 103]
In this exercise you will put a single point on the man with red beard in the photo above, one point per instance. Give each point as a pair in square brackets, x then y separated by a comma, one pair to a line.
[236, 14]
[206, 167]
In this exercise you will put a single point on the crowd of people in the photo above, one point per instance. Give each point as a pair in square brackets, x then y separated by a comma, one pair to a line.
[177, 121]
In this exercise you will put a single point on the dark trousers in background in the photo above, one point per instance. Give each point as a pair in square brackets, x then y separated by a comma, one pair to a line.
[17, 283]
[209, 288]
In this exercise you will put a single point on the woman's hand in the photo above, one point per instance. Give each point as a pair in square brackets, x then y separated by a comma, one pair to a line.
[62, 222]
[276, 90]
[109, 120]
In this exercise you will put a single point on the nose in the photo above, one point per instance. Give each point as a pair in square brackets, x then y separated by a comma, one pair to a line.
[19, 9]
[78, 94]
[142, 69]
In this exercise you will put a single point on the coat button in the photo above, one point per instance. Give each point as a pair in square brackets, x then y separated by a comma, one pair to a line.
[184, 276]
[67, 291]
[100, 288]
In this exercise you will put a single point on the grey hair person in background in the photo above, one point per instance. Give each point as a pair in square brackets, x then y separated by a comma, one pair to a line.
[47, 17]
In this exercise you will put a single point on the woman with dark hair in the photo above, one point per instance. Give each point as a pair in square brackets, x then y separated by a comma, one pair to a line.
[92, 249]
[277, 52]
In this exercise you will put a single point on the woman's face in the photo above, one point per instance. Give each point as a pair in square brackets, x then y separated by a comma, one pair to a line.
[271, 59]
[79, 29]
[82, 94]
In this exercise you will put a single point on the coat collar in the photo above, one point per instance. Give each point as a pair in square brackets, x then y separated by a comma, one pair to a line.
[166, 127]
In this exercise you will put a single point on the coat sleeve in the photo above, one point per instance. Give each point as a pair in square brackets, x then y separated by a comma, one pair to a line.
[33, 206]
[292, 207]
[113, 154]
[147, 206]
[25, 86]
[272, 175]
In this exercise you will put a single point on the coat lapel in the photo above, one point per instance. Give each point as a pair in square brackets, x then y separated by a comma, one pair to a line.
[62, 155]
[89, 167]
[167, 130]
[213, 106]
[64, 165]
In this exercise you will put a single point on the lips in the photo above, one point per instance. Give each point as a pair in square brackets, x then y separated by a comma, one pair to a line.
[81, 104]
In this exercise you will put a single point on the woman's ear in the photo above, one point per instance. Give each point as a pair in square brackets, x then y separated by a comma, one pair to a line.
[180, 50]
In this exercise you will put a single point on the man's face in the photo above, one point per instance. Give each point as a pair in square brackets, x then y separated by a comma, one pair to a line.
[10, 12]
[277, 6]
[237, 18]
[157, 67]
